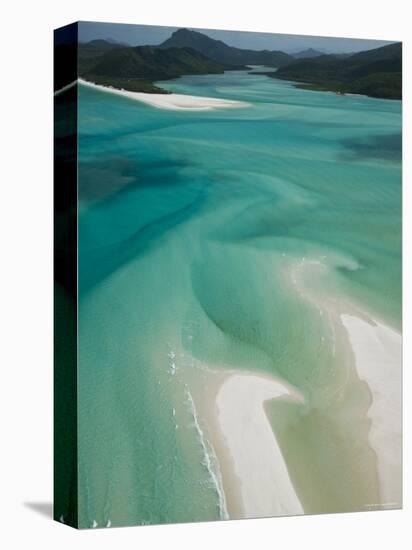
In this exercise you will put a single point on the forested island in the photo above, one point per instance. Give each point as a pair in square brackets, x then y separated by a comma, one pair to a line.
[375, 73]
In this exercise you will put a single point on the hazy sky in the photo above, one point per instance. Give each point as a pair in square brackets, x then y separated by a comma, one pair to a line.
[137, 35]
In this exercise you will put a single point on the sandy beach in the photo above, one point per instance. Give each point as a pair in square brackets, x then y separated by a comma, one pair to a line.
[378, 358]
[265, 485]
[174, 102]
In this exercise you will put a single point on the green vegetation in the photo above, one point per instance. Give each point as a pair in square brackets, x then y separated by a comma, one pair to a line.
[90, 52]
[147, 62]
[376, 73]
[136, 69]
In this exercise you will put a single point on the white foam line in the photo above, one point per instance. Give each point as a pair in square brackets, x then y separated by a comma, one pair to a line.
[211, 462]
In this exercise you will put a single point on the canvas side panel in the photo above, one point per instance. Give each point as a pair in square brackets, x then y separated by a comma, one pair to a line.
[65, 275]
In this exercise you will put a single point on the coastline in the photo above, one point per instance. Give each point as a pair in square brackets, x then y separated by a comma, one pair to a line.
[174, 102]
[340, 89]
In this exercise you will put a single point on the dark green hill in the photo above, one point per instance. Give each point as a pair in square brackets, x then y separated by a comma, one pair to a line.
[392, 51]
[136, 68]
[90, 52]
[222, 53]
[376, 73]
[101, 45]
[310, 52]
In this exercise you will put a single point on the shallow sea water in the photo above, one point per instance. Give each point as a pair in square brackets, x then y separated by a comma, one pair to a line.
[192, 228]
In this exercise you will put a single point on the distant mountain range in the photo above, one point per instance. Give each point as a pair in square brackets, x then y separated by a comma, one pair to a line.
[375, 72]
[222, 53]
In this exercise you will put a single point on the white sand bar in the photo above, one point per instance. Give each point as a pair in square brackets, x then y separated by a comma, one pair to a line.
[174, 102]
[266, 487]
[378, 357]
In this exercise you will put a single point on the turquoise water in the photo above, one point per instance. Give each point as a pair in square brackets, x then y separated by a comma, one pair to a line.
[188, 222]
